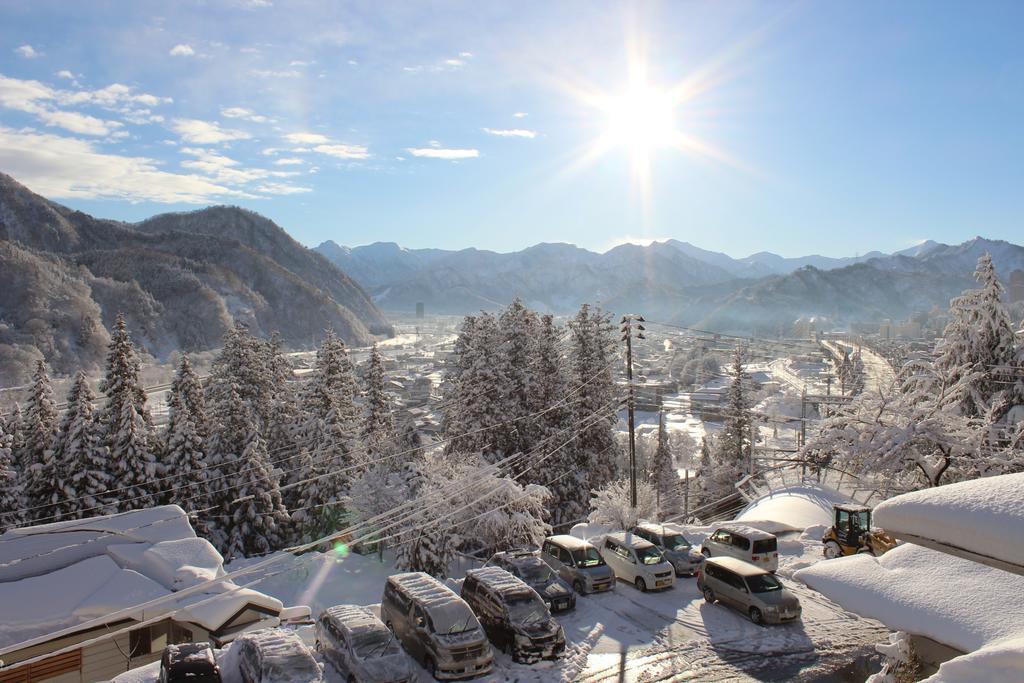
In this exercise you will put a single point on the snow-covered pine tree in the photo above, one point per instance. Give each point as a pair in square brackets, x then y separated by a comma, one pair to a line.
[593, 352]
[701, 487]
[242, 366]
[664, 477]
[16, 430]
[185, 446]
[125, 424]
[426, 548]
[40, 430]
[550, 426]
[280, 431]
[257, 520]
[11, 501]
[733, 444]
[517, 331]
[472, 396]
[378, 424]
[80, 460]
[976, 354]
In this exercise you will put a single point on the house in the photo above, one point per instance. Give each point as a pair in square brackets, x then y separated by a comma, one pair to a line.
[57, 579]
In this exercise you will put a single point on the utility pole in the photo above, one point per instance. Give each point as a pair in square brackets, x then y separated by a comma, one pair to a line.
[627, 336]
[803, 428]
[828, 392]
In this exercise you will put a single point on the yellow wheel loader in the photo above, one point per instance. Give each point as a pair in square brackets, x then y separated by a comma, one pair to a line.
[851, 533]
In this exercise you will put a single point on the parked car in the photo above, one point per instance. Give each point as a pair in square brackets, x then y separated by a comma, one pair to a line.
[637, 561]
[436, 626]
[744, 543]
[513, 615]
[274, 655]
[752, 590]
[685, 559]
[189, 663]
[578, 563]
[360, 646]
[527, 565]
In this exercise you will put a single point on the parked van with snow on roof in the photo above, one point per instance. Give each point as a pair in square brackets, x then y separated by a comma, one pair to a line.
[515, 618]
[435, 626]
[752, 590]
[578, 563]
[743, 542]
[637, 561]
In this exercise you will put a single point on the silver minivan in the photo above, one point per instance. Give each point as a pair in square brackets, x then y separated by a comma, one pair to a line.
[637, 561]
[670, 539]
[744, 543]
[752, 590]
[436, 626]
[578, 563]
[360, 646]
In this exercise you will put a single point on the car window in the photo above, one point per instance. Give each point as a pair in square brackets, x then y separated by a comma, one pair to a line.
[535, 572]
[767, 545]
[587, 557]
[374, 644]
[527, 609]
[722, 537]
[675, 542]
[741, 543]
[763, 583]
[734, 580]
[649, 555]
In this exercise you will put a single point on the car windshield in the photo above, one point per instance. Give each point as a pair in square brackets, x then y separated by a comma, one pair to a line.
[763, 583]
[533, 573]
[649, 555]
[526, 609]
[374, 644]
[587, 557]
[676, 542]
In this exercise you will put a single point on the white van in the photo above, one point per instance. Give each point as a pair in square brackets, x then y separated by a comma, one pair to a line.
[743, 542]
[637, 561]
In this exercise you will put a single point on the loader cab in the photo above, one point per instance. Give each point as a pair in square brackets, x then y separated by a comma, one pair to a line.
[850, 524]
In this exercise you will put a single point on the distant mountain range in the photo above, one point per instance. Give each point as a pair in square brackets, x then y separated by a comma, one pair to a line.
[181, 279]
[674, 280]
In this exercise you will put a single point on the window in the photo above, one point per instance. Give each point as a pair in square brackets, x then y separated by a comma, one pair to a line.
[722, 537]
[741, 543]
[712, 571]
[768, 545]
[734, 580]
[154, 638]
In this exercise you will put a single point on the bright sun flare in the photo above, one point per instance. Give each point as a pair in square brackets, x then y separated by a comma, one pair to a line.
[640, 119]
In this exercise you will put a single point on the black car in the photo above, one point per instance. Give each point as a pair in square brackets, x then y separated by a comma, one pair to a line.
[189, 663]
[535, 573]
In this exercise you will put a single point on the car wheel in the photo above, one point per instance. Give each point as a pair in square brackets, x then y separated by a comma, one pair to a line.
[705, 552]
[832, 550]
[709, 595]
[641, 585]
[350, 679]
[577, 586]
[755, 616]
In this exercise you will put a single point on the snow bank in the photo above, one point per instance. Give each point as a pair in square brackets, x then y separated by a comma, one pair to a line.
[983, 516]
[589, 531]
[960, 603]
[1001, 662]
[794, 508]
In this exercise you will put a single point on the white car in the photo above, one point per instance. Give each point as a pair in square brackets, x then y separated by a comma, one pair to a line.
[637, 561]
[743, 542]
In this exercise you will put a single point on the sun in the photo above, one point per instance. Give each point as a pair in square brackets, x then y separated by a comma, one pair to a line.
[640, 119]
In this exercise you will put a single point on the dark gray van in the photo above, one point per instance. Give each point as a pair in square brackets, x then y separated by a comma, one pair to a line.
[514, 616]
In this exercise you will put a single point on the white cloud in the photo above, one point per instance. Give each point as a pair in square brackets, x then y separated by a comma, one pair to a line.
[455, 62]
[35, 98]
[83, 124]
[226, 170]
[511, 132]
[289, 161]
[64, 73]
[343, 151]
[449, 64]
[181, 50]
[520, 115]
[466, 55]
[201, 132]
[282, 188]
[243, 113]
[307, 138]
[301, 62]
[272, 73]
[27, 51]
[63, 167]
[443, 153]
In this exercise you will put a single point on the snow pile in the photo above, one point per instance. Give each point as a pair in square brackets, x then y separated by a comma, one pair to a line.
[589, 531]
[983, 516]
[963, 604]
[794, 508]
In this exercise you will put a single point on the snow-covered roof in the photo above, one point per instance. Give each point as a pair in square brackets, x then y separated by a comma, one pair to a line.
[982, 519]
[793, 508]
[734, 564]
[954, 601]
[745, 530]
[55, 577]
[629, 539]
[569, 542]
[355, 618]
[499, 580]
[283, 657]
[443, 605]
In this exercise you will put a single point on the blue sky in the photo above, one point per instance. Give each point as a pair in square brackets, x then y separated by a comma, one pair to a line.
[816, 127]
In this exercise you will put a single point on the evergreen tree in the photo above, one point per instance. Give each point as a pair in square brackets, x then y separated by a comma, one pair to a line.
[242, 366]
[16, 430]
[664, 477]
[733, 446]
[551, 422]
[472, 397]
[378, 425]
[185, 446]
[11, 502]
[285, 415]
[127, 428]
[517, 331]
[592, 357]
[80, 460]
[705, 471]
[976, 355]
[258, 522]
[40, 429]
[427, 547]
